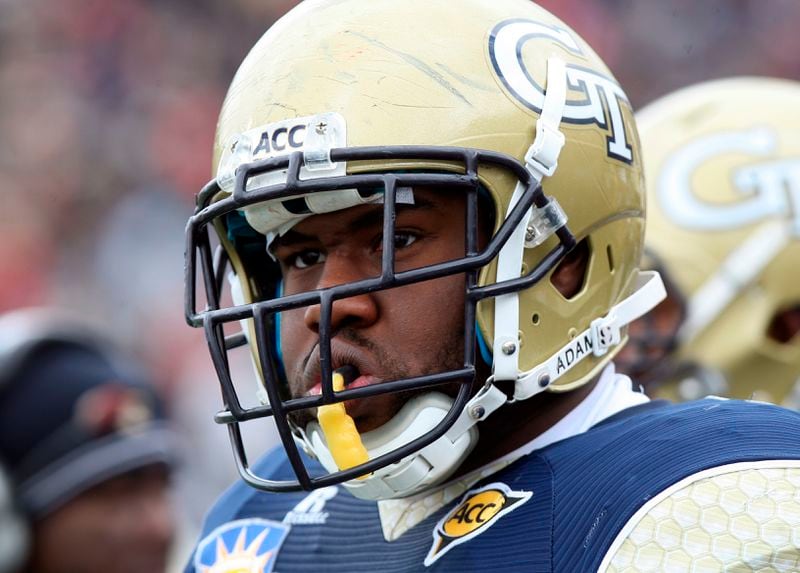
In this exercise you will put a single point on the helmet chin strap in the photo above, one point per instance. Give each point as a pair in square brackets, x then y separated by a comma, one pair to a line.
[603, 334]
[541, 161]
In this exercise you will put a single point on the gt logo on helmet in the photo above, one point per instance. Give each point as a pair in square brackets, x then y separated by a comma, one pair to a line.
[770, 189]
[602, 95]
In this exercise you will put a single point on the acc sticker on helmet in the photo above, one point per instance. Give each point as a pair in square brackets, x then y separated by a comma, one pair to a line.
[246, 545]
[478, 510]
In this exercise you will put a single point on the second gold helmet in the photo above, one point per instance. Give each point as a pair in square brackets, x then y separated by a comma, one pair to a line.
[722, 161]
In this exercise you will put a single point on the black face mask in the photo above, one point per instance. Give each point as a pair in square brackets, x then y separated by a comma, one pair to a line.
[250, 247]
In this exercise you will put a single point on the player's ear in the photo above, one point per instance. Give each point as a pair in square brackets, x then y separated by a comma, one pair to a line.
[570, 272]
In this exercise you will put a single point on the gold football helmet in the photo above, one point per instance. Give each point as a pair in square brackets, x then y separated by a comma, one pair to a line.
[722, 160]
[340, 104]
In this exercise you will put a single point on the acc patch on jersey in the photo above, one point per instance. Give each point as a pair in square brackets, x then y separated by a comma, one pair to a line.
[478, 511]
[242, 546]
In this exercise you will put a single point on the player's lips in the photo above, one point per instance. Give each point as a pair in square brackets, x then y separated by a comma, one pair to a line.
[357, 367]
[352, 363]
[359, 382]
[354, 378]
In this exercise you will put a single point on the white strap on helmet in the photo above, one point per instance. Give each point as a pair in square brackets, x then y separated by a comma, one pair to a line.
[603, 334]
[541, 160]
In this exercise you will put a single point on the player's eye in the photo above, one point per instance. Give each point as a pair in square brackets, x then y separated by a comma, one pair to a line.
[306, 259]
[402, 240]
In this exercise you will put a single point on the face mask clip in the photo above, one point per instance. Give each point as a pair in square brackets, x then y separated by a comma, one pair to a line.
[543, 223]
[322, 135]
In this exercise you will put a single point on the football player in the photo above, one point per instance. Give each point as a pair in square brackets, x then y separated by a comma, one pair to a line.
[723, 228]
[430, 216]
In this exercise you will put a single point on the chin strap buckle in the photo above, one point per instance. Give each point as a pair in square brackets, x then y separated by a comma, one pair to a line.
[542, 156]
[605, 333]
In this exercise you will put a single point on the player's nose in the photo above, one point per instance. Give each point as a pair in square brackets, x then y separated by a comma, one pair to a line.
[358, 311]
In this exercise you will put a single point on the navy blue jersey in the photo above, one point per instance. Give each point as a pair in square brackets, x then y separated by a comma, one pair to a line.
[587, 501]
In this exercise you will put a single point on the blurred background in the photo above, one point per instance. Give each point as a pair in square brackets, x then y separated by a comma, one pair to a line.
[107, 115]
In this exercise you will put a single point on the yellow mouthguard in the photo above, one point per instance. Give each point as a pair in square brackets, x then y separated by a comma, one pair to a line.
[340, 432]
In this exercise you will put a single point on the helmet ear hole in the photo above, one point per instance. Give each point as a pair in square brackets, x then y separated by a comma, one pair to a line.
[570, 275]
[785, 325]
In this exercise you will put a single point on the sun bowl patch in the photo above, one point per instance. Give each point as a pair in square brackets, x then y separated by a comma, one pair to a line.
[242, 546]
[478, 510]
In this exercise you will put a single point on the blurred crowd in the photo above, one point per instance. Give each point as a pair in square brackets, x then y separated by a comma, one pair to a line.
[107, 116]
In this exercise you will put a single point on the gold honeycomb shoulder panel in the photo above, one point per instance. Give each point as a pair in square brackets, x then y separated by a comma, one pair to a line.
[740, 517]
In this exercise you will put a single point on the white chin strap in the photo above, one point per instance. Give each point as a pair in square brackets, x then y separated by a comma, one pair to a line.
[536, 227]
[603, 334]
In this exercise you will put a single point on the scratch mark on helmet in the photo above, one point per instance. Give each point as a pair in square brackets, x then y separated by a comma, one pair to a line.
[419, 64]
